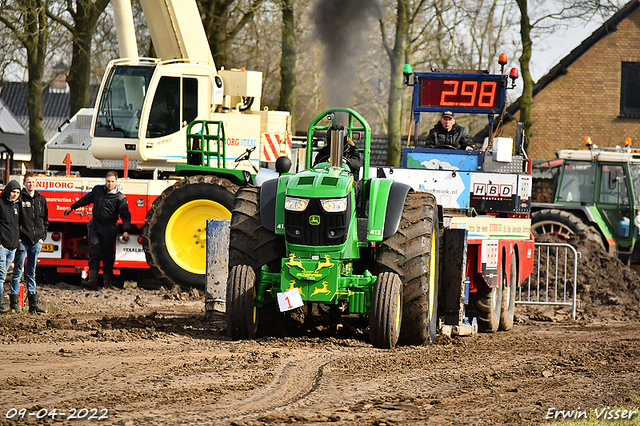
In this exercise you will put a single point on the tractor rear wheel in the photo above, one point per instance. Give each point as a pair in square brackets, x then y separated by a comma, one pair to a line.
[250, 243]
[253, 245]
[241, 315]
[509, 295]
[175, 234]
[560, 225]
[386, 311]
[413, 253]
[563, 227]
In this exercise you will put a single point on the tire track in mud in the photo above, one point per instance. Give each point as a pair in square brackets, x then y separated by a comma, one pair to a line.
[294, 381]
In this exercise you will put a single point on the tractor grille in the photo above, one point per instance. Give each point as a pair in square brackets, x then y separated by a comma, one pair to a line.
[331, 231]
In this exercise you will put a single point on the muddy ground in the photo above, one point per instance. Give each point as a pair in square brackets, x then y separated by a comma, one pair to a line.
[152, 356]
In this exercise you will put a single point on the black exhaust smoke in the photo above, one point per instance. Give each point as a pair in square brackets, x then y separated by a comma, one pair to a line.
[341, 26]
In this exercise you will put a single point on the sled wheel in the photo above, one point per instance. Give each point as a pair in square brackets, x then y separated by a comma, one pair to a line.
[241, 315]
[175, 229]
[489, 307]
[386, 311]
[509, 295]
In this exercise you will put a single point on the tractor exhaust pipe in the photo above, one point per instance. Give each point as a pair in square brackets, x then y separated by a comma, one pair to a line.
[337, 135]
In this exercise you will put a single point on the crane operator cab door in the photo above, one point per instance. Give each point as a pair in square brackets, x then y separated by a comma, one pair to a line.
[177, 101]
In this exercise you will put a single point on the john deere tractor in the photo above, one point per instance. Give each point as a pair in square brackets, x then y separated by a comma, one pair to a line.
[336, 238]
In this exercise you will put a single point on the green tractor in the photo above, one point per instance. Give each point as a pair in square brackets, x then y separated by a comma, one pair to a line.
[337, 239]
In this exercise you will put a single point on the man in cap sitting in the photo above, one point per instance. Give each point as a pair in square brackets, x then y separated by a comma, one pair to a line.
[447, 134]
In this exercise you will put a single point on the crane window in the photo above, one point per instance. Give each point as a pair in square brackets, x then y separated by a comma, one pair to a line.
[164, 117]
[121, 101]
[189, 100]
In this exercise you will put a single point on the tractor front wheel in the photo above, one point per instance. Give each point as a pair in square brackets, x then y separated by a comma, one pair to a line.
[242, 321]
[386, 311]
[251, 244]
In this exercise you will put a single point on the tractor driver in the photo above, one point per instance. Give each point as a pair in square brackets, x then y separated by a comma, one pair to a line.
[350, 155]
[449, 135]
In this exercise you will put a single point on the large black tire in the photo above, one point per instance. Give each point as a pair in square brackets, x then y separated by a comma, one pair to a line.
[251, 244]
[174, 233]
[241, 314]
[553, 225]
[413, 253]
[509, 295]
[558, 225]
[386, 311]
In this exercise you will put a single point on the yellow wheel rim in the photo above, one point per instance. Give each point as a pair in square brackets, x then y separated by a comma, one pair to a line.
[398, 311]
[255, 310]
[432, 275]
[186, 233]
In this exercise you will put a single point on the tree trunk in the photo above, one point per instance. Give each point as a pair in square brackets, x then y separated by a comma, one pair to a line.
[215, 26]
[288, 61]
[79, 79]
[526, 100]
[397, 58]
[216, 18]
[35, 42]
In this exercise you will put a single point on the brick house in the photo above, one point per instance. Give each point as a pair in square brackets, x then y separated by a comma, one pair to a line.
[594, 91]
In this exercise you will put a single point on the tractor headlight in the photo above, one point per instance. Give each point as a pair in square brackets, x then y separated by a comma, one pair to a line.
[296, 204]
[334, 205]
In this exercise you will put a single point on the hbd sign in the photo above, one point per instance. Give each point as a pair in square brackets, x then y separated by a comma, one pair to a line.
[492, 192]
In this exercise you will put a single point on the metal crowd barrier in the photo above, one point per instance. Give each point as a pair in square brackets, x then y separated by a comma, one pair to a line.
[554, 277]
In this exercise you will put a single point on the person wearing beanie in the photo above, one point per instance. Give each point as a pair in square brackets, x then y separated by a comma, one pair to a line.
[9, 232]
[34, 221]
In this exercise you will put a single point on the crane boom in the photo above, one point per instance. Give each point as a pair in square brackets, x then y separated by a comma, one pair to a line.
[176, 30]
[123, 17]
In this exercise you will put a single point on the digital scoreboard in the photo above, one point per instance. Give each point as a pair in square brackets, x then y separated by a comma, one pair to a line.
[459, 92]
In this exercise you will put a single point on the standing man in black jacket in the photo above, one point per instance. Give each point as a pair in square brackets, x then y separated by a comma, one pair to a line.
[34, 221]
[102, 230]
[448, 134]
[9, 232]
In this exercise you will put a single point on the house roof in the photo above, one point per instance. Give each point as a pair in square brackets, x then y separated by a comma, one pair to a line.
[610, 26]
[55, 108]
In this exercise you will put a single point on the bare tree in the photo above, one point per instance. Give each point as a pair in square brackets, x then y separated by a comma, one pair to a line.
[550, 16]
[27, 21]
[223, 20]
[398, 57]
[84, 15]
[288, 60]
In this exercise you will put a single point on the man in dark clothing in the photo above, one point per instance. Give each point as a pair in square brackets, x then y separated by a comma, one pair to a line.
[34, 221]
[102, 230]
[9, 232]
[447, 134]
[350, 154]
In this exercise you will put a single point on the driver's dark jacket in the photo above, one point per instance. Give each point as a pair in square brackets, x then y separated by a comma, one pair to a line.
[106, 207]
[457, 138]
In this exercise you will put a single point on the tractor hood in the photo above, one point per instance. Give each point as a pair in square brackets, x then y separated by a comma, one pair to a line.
[329, 182]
